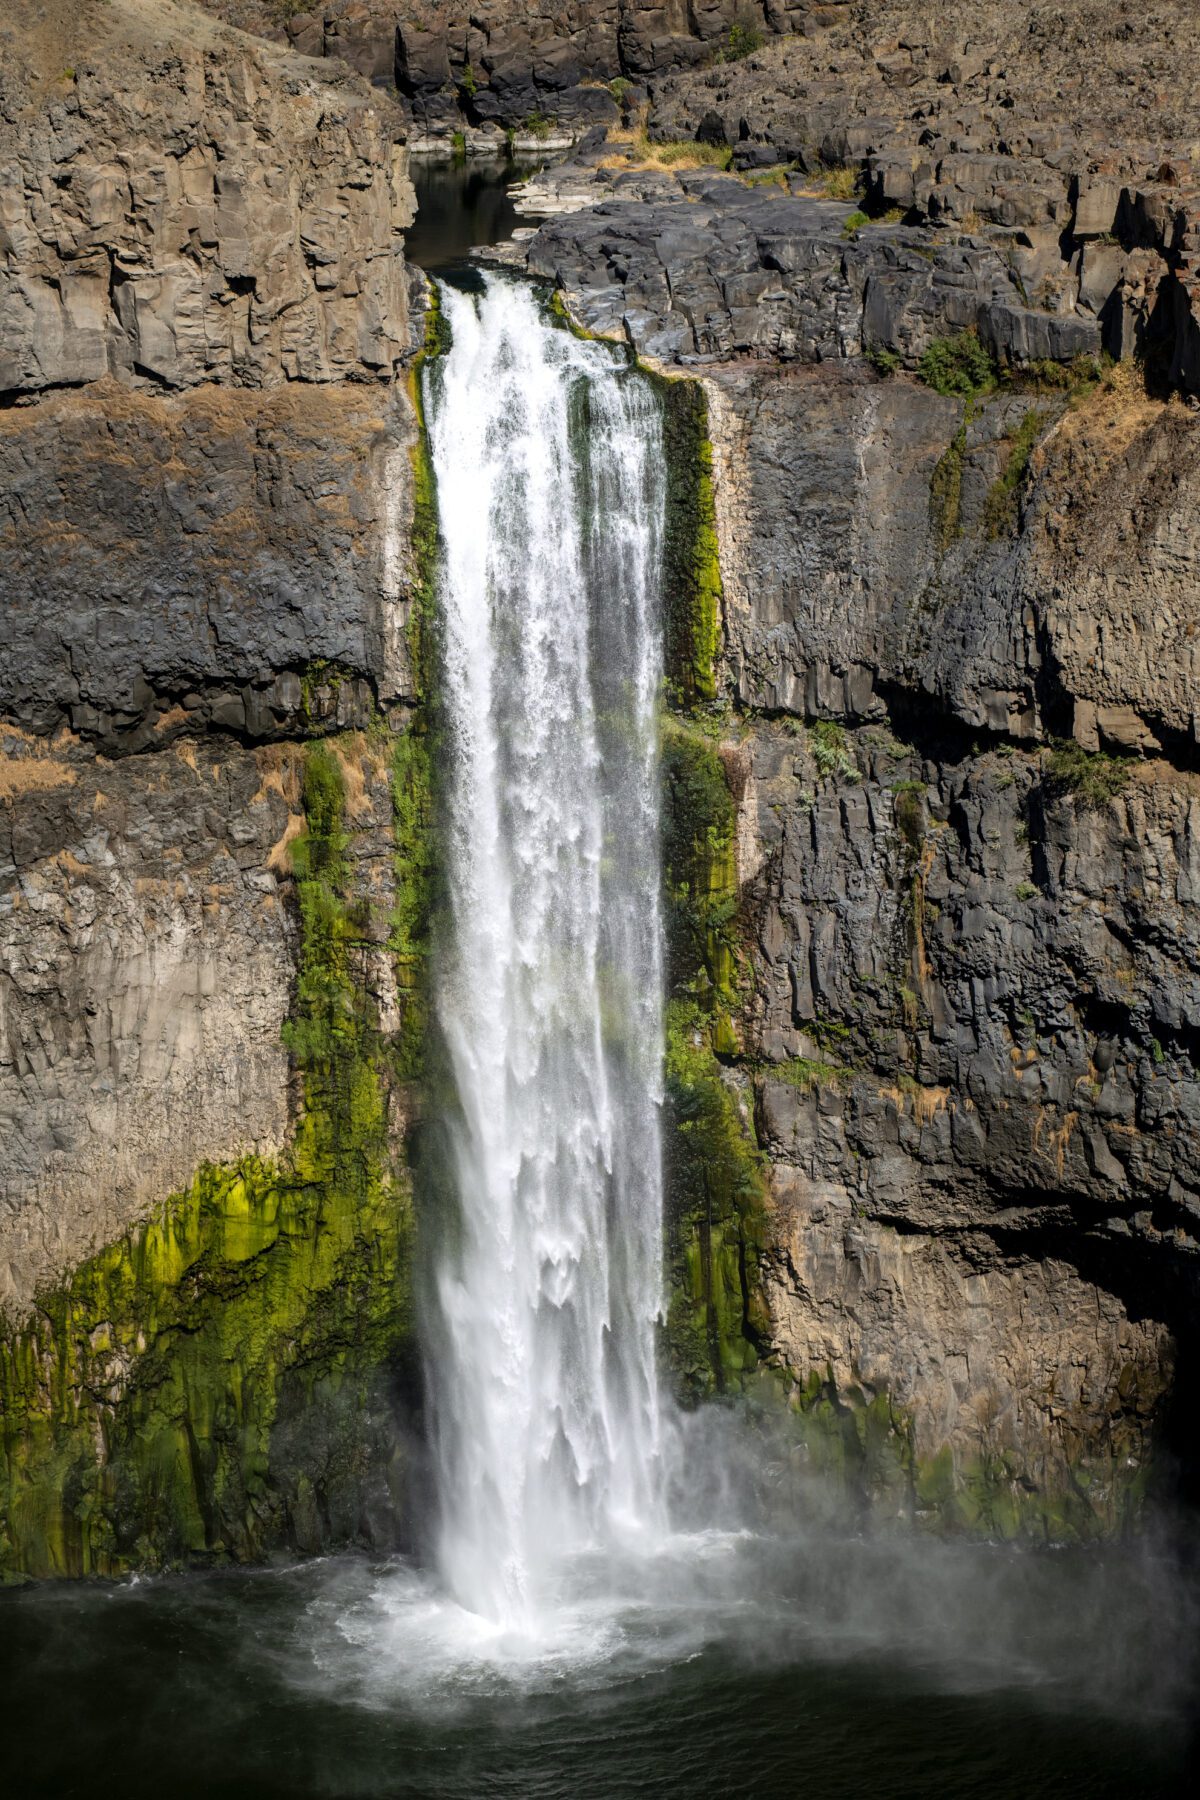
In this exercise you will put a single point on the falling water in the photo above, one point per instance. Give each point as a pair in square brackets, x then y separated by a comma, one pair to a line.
[548, 457]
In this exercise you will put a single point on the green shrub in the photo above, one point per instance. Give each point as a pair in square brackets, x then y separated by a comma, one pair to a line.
[958, 365]
[883, 360]
[830, 751]
[854, 223]
[1091, 776]
[743, 40]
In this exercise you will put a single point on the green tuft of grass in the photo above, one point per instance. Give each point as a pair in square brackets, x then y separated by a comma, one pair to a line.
[1092, 777]
[830, 751]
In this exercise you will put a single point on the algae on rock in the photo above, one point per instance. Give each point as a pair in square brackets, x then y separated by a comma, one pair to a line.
[152, 1407]
[714, 1189]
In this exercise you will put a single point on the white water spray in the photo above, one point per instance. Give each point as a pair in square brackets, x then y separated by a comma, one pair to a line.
[545, 1414]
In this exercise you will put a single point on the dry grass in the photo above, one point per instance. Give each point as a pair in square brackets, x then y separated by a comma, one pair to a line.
[33, 775]
[842, 183]
[280, 856]
[640, 153]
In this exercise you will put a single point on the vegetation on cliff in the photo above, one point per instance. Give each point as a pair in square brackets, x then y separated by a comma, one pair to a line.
[713, 1179]
[152, 1407]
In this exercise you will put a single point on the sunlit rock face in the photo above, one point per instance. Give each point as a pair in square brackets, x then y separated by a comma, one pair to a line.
[207, 533]
[195, 207]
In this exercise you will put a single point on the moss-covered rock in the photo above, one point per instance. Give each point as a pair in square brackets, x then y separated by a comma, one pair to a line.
[714, 1188]
[691, 561]
[221, 1379]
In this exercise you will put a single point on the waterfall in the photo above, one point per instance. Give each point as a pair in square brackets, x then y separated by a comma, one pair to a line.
[548, 457]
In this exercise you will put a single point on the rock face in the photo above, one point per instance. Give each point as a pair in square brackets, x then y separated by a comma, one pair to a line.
[500, 65]
[243, 228]
[932, 815]
[208, 524]
[956, 650]
[971, 948]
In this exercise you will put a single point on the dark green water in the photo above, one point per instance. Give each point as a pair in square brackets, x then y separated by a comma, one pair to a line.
[832, 1671]
[462, 206]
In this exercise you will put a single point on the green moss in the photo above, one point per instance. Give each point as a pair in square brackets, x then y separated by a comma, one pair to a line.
[861, 1444]
[945, 493]
[806, 1072]
[716, 1320]
[865, 1444]
[416, 873]
[560, 314]
[152, 1407]
[699, 866]
[1000, 507]
[691, 561]
[908, 807]
[425, 530]
[714, 1198]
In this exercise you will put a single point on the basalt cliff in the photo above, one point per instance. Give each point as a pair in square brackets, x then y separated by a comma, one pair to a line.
[919, 299]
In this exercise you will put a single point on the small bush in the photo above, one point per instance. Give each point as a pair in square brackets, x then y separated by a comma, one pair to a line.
[883, 360]
[854, 223]
[830, 751]
[1090, 776]
[743, 40]
[958, 366]
[1076, 378]
[1025, 890]
[468, 82]
[538, 125]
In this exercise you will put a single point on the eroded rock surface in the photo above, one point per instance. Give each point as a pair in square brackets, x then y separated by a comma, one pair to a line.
[184, 207]
[206, 525]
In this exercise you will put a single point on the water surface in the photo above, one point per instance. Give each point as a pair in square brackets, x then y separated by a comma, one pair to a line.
[830, 1670]
[462, 206]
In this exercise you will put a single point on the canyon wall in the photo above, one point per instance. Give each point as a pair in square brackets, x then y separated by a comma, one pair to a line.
[942, 790]
[206, 510]
[927, 353]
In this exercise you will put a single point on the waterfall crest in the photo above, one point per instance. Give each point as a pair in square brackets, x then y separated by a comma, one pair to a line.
[548, 456]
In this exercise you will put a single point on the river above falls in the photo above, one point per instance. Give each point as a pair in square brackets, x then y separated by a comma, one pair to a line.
[834, 1671]
[462, 206]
